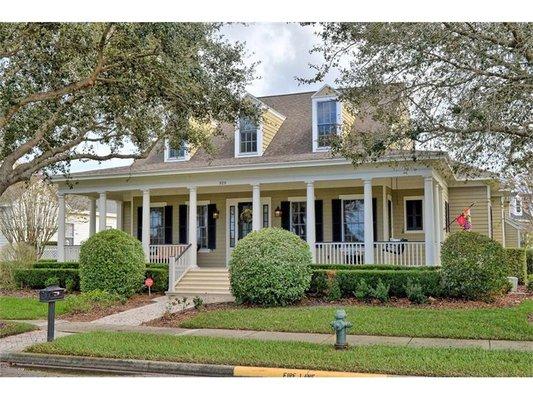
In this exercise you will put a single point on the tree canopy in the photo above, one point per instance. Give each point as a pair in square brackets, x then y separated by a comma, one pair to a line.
[97, 91]
[466, 88]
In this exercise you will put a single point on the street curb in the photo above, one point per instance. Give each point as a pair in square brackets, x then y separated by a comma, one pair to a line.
[118, 366]
[138, 367]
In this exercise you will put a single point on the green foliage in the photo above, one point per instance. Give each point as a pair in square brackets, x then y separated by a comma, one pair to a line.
[319, 283]
[84, 302]
[530, 283]
[114, 82]
[415, 293]
[55, 264]
[70, 285]
[529, 257]
[473, 266]
[270, 267]
[160, 278]
[380, 292]
[516, 263]
[347, 267]
[113, 261]
[334, 291]
[198, 303]
[36, 278]
[52, 281]
[362, 291]
[46, 260]
[15, 328]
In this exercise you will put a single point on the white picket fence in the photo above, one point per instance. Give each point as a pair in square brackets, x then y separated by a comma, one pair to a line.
[394, 253]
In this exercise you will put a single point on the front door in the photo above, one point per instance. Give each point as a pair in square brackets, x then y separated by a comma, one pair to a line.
[239, 220]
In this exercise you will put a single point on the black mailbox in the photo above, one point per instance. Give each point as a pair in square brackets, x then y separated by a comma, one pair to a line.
[51, 293]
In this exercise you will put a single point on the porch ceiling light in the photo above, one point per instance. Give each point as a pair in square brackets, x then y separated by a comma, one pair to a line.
[278, 212]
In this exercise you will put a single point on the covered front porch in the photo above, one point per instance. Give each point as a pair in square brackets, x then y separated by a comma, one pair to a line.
[395, 219]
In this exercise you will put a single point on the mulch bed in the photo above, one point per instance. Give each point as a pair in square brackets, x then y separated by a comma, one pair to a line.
[509, 300]
[19, 293]
[99, 311]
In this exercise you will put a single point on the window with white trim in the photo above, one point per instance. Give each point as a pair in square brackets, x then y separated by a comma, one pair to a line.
[201, 230]
[247, 136]
[517, 206]
[298, 218]
[69, 234]
[177, 154]
[326, 117]
[414, 215]
[353, 220]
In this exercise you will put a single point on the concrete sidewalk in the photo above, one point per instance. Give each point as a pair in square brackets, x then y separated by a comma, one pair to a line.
[319, 338]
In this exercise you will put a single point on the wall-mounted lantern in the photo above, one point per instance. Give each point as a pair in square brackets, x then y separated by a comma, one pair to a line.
[216, 214]
[277, 212]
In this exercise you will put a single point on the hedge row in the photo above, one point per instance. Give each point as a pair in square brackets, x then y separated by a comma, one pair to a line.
[52, 264]
[35, 278]
[429, 280]
[516, 264]
[529, 257]
[346, 267]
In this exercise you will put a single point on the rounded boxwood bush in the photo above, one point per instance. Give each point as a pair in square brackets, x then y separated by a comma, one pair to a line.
[270, 267]
[112, 261]
[473, 266]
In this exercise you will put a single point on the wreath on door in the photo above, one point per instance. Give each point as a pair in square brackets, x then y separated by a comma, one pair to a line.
[246, 215]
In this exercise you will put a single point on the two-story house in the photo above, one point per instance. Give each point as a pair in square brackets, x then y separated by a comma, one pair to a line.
[280, 172]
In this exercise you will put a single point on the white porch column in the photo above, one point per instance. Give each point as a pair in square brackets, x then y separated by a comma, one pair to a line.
[145, 237]
[102, 211]
[310, 219]
[92, 216]
[256, 207]
[438, 220]
[193, 221]
[429, 219]
[369, 223]
[61, 228]
[119, 214]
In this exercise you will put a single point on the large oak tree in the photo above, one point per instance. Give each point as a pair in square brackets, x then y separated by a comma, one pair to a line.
[97, 91]
[467, 88]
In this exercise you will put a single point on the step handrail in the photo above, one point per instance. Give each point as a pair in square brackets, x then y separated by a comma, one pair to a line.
[178, 266]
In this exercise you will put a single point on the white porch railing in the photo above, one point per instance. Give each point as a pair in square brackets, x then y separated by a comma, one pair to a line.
[340, 253]
[394, 253]
[400, 253]
[177, 266]
[72, 252]
[161, 253]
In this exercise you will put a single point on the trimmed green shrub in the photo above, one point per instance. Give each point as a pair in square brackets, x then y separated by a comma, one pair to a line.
[70, 285]
[529, 261]
[473, 266]
[347, 267]
[36, 278]
[113, 261]
[56, 264]
[52, 281]
[46, 260]
[415, 293]
[380, 292]
[270, 267]
[530, 283]
[516, 264]
[160, 277]
[362, 291]
[319, 283]
[334, 291]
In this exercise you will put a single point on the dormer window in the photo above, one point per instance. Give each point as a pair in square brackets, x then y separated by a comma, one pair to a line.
[326, 121]
[248, 138]
[177, 154]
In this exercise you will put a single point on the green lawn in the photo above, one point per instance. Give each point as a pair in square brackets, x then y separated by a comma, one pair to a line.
[8, 328]
[490, 323]
[378, 359]
[26, 308]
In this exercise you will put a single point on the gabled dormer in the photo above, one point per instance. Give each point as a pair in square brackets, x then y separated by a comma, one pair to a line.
[252, 138]
[327, 117]
[181, 153]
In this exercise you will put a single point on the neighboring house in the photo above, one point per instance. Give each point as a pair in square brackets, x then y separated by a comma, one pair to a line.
[518, 219]
[282, 173]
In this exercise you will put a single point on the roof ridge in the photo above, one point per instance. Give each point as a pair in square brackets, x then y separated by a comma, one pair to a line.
[285, 94]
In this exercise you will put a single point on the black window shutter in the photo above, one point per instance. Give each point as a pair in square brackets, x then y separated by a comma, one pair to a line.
[183, 223]
[319, 221]
[286, 215]
[375, 218]
[336, 222]
[139, 223]
[211, 227]
[168, 224]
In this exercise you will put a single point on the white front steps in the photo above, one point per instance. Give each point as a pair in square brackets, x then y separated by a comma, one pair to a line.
[204, 281]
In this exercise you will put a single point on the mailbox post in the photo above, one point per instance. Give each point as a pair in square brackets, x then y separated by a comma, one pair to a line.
[50, 295]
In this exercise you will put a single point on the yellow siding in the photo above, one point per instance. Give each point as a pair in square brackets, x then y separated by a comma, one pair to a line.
[462, 197]
[511, 236]
[126, 216]
[271, 124]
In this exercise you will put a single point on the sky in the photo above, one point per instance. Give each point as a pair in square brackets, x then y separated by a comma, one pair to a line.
[282, 50]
